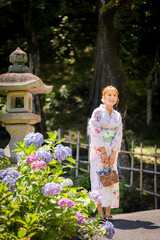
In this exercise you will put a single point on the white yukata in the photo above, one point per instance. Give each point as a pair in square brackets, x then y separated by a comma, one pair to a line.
[105, 131]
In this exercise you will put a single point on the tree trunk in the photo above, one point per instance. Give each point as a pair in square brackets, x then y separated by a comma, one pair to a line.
[34, 62]
[149, 81]
[107, 65]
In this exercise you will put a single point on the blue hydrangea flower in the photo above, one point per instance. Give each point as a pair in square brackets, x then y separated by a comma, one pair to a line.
[19, 155]
[9, 182]
[68, 151]
[2, 152]
[13, 173]
[36, 138]
[67, 182]
[61, 152]
[80, 218]
[9, 176]
[44, 155]
[110, 231]
[51, 188]
[95, 196]
[1, 173]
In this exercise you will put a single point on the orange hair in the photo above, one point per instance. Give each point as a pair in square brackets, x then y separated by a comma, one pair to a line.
[106, 89]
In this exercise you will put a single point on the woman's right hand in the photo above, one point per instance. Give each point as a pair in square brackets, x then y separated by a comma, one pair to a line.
[105, 158]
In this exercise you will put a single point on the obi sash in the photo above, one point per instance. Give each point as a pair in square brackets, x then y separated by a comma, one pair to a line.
[108, 134]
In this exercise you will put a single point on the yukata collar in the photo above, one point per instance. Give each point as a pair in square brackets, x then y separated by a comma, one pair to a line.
[102, 106]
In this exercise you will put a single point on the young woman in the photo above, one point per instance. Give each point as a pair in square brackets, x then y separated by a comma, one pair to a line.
[105, 129]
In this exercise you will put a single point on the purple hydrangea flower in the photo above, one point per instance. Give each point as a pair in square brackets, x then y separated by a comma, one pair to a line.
[31, 158]
[109, 229]
[11, 172]
[2, 152]
[68, 151]
[95, 196]
[66, 202]
[9, 182]
[44, 155]
[51, 188]
[19, 155]
[36, 138]
[9, 176]
[61, 152]
[80, 218]
[1, 173]
[66, 182]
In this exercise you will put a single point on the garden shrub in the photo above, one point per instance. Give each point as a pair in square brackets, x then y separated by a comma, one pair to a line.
[37, 202]
[130, 199]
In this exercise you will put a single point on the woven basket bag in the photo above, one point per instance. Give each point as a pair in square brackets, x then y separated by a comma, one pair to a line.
[110, 178]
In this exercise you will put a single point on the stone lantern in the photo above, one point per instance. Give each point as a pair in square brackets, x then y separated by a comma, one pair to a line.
[19, 85]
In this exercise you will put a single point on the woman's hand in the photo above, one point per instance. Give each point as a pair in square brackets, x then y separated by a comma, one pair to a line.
[113, 158]
[105, 158]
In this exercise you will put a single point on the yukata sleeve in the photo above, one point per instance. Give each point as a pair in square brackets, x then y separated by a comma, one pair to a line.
[116, 143]
[95, 129]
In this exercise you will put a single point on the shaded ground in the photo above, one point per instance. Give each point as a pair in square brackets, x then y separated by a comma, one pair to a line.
[143, 225]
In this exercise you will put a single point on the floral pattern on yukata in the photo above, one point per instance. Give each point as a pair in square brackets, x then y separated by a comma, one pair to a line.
[105, 131]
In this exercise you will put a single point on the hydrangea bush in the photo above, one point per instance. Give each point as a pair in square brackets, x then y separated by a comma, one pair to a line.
[37, 201]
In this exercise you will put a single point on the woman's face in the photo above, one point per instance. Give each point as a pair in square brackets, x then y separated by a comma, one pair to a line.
[110, 98]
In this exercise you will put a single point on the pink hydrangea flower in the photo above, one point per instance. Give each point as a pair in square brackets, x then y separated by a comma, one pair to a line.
[66, 202]
[27, 238]
[35, 165]
[42, 164]
[31, 158]
[38, 165]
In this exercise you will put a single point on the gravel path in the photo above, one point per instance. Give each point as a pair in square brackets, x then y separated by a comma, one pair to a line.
[143, 225]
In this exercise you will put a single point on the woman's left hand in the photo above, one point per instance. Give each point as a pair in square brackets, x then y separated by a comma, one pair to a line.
[113, 158]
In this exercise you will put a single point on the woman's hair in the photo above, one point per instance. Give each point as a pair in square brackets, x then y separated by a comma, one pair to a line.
[106, 89]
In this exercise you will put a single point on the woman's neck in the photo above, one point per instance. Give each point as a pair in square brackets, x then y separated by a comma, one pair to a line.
[109, 108]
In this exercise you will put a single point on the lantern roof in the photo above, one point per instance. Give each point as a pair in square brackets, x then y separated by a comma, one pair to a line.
[19, 78]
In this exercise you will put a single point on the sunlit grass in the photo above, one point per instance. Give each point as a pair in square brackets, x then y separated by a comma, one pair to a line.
[148, 150]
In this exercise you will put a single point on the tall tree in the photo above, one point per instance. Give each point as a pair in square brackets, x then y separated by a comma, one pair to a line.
[108, 70]
[34, 60]
[107, 66]
[149, 82]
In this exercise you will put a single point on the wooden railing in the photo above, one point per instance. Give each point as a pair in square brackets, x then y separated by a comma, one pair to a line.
[132, 169]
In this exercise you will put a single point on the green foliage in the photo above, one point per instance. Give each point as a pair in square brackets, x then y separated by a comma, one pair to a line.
[28, 212]
[131, 200]
[82, 180]
[66, 32]
[4, 161]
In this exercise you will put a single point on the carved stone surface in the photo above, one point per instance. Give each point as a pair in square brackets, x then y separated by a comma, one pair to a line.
[20, 118]
[19, 101]
[19, 78]
[19, 85]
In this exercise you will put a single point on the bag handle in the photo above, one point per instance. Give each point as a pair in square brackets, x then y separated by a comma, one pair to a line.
[106, 166]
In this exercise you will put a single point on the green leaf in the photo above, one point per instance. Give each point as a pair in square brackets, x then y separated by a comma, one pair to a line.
[27, 219]
[68, 166]
[31, 147]
[20, 221]
[60, 140]
[71, 160]
[21, 232]
[31, 234]
[50, 134]
[17, 150]
[19, 144]
[34, 219]
[47, 141]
